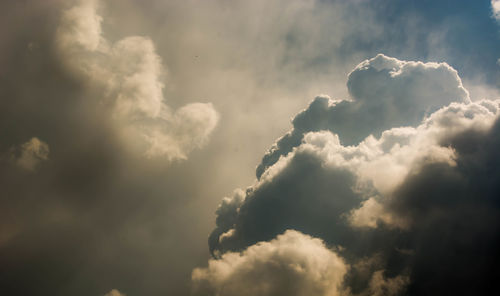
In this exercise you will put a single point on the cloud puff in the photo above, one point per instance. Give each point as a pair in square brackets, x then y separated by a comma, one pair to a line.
[82, 26]
[381, 286]
[418, 195]
[31, 154]
[128, 76]
[386, 93]
[290, 264]
[114, 292]
[495, 7]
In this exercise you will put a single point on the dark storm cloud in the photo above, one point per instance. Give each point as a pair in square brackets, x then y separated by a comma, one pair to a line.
[412, 210]
[455, 213]
[41, 210]
[297, 196]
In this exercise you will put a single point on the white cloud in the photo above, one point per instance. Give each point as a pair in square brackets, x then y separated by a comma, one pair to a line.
[190, 126]
[130, 75]
[371, 213]
[292, 264]
[387, 93]
[495, 7]
[408, 85]
[32, 153]
[82, 26]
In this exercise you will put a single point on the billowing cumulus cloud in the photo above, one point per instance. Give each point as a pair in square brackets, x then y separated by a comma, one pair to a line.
[130, 74]
[415, 188]
[321, 168]
[292, 264]
[385, 92]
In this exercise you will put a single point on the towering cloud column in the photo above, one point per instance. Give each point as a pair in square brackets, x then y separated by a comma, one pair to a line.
[401, 182]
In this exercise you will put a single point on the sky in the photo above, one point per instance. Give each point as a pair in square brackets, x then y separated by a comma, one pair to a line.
[222, 148]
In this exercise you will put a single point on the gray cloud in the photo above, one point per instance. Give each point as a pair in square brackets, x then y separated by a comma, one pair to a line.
[31, 154]
[95, 212]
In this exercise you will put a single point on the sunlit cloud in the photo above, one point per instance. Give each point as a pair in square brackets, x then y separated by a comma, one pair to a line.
[495, 7]
[131, 74]
[391, 184]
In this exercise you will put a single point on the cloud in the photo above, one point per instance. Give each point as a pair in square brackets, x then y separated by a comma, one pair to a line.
[291, 264]
[417, 191]
[495, 8]
[82, 26]
[90, 188]
[114, 292]
[129, 74]
[380, 286]
[96, 216]
[31, 154]
[385, 92]
[323, 171]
